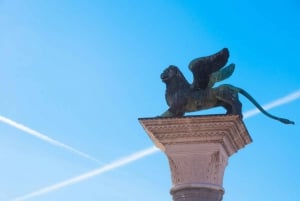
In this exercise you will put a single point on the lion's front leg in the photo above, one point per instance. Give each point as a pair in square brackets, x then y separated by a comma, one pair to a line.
[172, 113]
[167, 114]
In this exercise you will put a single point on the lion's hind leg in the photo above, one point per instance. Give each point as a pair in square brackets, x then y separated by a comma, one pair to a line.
[228, 98]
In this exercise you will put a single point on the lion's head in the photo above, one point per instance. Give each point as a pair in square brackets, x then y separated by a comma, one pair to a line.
[170, 73]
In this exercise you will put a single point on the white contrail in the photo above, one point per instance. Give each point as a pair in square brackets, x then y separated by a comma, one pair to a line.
[138, 155]
[46, 138]
[289, 98]
[113, 165]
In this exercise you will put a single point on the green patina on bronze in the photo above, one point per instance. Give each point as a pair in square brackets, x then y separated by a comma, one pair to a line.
[182, 97]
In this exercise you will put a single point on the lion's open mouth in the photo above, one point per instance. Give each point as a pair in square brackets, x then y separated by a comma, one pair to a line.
[164, 77]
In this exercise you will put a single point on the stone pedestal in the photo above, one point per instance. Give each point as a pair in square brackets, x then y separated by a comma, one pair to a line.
[198, 148]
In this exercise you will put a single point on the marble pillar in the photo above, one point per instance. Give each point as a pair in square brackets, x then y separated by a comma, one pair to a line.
[198, 148]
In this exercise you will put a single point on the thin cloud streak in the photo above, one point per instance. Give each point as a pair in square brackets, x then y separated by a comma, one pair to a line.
[141, 154]
[46, 138]
[284, 100]
[113, 165]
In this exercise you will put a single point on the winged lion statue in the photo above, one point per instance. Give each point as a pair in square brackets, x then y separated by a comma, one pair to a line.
[182, 97]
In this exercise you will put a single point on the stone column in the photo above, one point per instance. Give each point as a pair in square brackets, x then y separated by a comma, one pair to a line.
[198, 148]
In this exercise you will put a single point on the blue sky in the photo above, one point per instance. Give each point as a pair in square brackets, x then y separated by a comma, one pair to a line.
[82, 72]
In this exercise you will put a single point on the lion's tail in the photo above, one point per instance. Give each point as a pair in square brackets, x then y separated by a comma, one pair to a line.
[249, 97]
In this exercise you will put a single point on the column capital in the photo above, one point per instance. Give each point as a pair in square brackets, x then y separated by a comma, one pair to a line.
[197, 148]
[227, 130]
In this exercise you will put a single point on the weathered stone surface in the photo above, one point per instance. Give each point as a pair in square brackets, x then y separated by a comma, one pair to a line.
[197, 194]
[197, 148]
[228, 130]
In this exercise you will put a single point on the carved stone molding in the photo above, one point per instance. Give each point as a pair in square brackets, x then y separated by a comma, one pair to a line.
[196, 163]
[197, 148]
[228, 130]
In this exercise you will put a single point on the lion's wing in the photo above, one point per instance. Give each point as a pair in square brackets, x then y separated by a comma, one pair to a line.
[203, 67]
[220, 75]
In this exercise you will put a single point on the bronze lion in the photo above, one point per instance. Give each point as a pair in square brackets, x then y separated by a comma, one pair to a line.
[182, 97]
